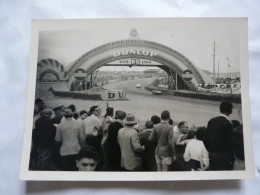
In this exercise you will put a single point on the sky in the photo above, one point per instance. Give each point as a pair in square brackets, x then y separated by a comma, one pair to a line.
[15, 34]
[192, 38]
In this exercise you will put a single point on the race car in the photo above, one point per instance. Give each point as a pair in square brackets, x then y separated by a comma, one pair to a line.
[157, 92]
[138, 86]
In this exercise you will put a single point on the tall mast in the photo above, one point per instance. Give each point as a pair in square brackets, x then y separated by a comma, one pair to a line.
[214, 55]
[218, 69]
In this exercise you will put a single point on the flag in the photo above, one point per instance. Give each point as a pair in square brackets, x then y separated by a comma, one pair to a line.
[228, 62]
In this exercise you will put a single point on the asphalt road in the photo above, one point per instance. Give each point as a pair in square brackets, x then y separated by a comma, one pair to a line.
[143, 104]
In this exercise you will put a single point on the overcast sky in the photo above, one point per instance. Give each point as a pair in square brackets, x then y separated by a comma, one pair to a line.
[193, 38]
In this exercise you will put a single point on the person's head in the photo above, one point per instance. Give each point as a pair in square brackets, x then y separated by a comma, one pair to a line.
[183, 126]
[170, 121]
[226, 108]
[155, 119]
[191, 133]
[93, 110]
[57, 110]
[149, 125]
[235, 123]
[165, 115]
[75, 116]
[38, 101]
[130, 120]
[200, 134]
[120, 115]
[47, 112]
[87, 160]
[68, 113]
[83, 114]
[63, 108]
[109, 112]
[99, 111]
[39, 105]
[72, 107]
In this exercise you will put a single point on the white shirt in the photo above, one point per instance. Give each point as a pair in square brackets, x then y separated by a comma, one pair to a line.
[91, 125]
[196, 150]
[226, 117]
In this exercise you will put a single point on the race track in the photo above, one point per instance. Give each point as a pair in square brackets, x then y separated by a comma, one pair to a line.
[143, 104]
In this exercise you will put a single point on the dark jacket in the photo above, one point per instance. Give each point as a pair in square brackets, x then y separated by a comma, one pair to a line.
[163, 135]
[218, 135]
[46, 131]
[112, 148]
[238, 142]
[148, 158]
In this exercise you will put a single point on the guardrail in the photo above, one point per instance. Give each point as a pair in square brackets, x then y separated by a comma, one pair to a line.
[234, 98]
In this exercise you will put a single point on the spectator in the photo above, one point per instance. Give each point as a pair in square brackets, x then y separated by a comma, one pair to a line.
[235, 123]
[238, 147]
[130, 146]
[72, 107]
[46, 140]
[38, 107]
[99, 114]
[155, 119]
[70, 134]
[82, 115]
[92, 124]
[58, 115]
[178, 138]
[87, 160]
[148, 158]
[106, 122]
[218, 139]
[196, 155]
[170, 121]
[163, 135]
[92, 129]
[112, 151]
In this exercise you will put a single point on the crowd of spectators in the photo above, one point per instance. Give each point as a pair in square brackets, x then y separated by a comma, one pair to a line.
[64, 139]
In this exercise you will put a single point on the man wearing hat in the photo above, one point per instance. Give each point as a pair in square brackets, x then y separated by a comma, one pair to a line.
[70, 134]
[46, 140]
[58, 115]
[130, 146]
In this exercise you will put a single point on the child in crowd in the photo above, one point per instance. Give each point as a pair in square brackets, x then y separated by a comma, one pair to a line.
[195, 155]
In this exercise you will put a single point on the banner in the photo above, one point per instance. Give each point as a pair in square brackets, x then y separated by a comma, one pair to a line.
[114, 95]
[221, 88]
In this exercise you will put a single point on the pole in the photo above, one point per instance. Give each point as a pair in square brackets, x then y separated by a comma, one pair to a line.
[218, 70]
[214, 55]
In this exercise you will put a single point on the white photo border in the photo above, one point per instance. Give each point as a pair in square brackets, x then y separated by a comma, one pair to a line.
[51, 25]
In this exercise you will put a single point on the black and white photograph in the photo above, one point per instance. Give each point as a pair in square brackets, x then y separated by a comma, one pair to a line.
[138, 99]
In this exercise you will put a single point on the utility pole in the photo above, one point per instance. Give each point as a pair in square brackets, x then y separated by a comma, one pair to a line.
[214, 55]
[218, 69]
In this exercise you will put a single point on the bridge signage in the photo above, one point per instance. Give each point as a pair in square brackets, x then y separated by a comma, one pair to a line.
[139, 52]
[135, 61]
[80, 74]
[187, 75]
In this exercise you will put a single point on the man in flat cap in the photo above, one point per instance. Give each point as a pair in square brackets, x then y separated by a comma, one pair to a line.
[130, 146]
